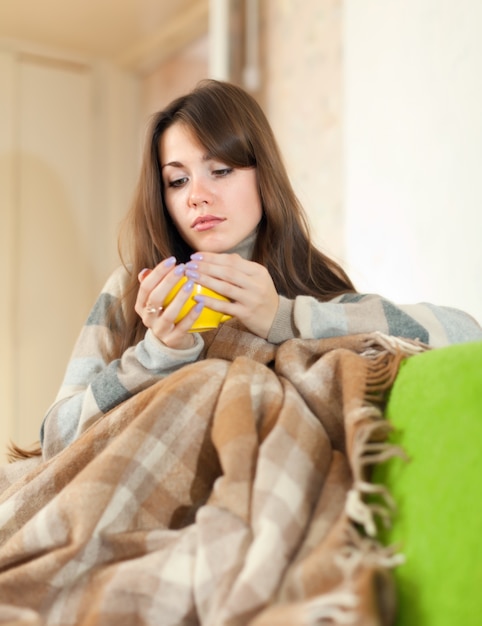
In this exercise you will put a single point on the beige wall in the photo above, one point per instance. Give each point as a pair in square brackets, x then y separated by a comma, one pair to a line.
[7, 249]
[174, 77]
[302, 96]
[48, 217]
[66, 130]
[413, 149]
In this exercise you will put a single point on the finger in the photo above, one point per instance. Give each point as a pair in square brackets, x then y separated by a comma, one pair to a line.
[153, 276]
[168, 286]
[148, 278]
[221, 306]
[149, 314]
[163, 319]
[237, 286]
[156, 284]
[179, 335]
[184, 325]
[220, 264]
[172, 311]
[215, 275]
[143, 273]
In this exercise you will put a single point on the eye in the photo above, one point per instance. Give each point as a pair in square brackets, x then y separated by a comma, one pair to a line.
[178, 182]
[223, 171]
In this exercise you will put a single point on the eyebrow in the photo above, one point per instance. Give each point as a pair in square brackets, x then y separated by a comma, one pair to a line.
[206, 157]
[171, 164]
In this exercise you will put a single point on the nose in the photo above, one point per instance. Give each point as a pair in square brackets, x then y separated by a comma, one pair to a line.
[199, 192]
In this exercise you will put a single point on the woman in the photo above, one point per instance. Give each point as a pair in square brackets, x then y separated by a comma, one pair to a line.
[214, 204]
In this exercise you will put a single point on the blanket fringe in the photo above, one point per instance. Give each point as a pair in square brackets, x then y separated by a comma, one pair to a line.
[341, 605]
[385, 354]
[338, 606]
[395, 345]
[370, 448]
[363, 549]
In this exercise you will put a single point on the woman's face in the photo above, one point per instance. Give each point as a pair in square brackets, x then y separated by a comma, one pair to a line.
[213, 206]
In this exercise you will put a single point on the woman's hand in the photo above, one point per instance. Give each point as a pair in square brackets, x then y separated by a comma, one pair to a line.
[248, 285]
[155, 284]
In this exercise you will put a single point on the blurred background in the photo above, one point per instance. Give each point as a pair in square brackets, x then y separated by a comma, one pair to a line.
[376, 105]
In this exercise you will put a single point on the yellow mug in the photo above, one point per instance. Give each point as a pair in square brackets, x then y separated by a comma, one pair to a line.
[208, 319]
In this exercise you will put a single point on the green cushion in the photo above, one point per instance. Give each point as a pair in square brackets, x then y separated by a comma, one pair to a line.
[436, 409]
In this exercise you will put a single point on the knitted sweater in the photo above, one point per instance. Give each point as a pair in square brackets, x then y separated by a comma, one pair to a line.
[92, 385]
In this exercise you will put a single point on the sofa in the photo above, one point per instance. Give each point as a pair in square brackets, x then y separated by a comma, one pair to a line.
[435, 407]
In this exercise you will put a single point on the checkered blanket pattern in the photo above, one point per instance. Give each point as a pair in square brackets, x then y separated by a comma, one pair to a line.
[228, 494]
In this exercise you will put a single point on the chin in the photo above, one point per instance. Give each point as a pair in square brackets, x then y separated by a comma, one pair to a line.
[214, 245]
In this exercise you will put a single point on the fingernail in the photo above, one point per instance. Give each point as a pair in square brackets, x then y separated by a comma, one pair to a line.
[143, 273]
[200, 299]
[188, 286]
[179, 271]
[170, 261]
[192, 266]
[197, 256]
[199, 307]
[193, 275]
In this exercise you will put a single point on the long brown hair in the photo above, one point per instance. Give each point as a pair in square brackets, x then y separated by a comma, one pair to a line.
[230, 124]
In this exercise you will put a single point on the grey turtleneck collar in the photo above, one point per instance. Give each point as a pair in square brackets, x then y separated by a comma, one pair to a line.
[245, 247]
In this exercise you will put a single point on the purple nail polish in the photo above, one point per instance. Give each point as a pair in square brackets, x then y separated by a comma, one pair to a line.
[197, 256]
[192, 266]
[200, 299]
[179, 271]
[199, 307]
[192, 274]
[188, 286]
[170, 261]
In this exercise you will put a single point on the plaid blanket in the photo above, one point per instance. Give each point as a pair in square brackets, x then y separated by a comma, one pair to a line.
[230, 493]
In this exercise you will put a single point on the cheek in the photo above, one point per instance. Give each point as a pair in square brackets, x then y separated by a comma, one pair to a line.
[255, 203]
[172, 208]
[253, 196]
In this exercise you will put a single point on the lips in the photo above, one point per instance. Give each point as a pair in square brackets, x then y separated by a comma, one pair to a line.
[206, 222]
